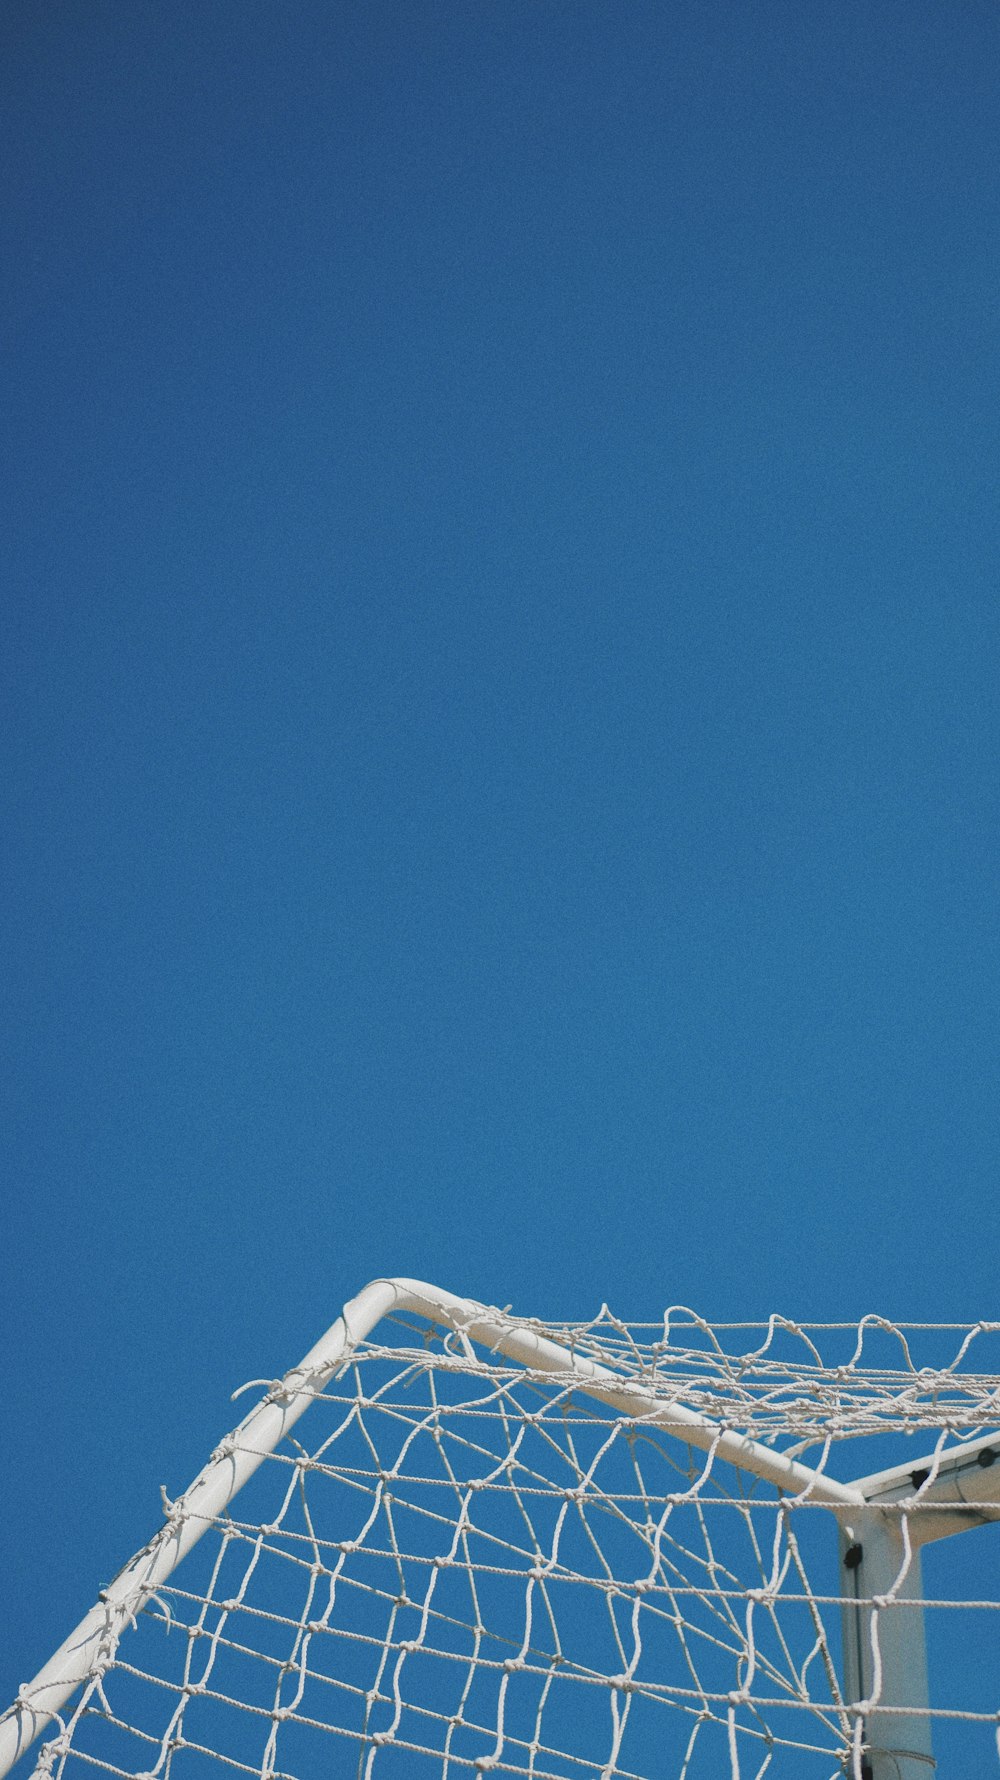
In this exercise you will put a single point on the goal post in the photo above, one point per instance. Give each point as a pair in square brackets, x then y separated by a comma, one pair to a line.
[885, 1657]
[552, 1550]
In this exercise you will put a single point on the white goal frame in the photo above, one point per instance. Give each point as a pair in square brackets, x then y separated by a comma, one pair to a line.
[944, 1492]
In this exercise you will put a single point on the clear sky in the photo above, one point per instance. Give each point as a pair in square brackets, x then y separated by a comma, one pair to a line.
[500, 690]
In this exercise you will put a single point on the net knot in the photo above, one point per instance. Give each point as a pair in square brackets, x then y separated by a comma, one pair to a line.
[173, 1509]
[52, 1752]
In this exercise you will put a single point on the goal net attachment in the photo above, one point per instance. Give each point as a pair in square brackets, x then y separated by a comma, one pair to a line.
[594, 1551]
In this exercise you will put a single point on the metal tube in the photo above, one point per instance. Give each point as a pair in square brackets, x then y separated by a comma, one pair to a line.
[944, 1492]
[885, 1656]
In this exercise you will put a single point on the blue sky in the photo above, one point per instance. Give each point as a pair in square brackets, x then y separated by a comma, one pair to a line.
[500, 674]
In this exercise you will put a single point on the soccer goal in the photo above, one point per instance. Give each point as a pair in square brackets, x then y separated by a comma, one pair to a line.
[603, 1549]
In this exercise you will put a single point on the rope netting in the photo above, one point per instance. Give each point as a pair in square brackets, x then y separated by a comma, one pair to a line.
[473, 1567]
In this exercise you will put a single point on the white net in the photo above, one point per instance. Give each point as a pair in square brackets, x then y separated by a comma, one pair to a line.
[474, 1567]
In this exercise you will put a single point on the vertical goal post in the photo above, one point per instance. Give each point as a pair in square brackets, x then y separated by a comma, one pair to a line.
[500, 1394]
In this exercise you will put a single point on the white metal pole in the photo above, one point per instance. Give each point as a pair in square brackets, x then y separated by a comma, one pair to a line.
[885, 1657]
[948, 1491]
